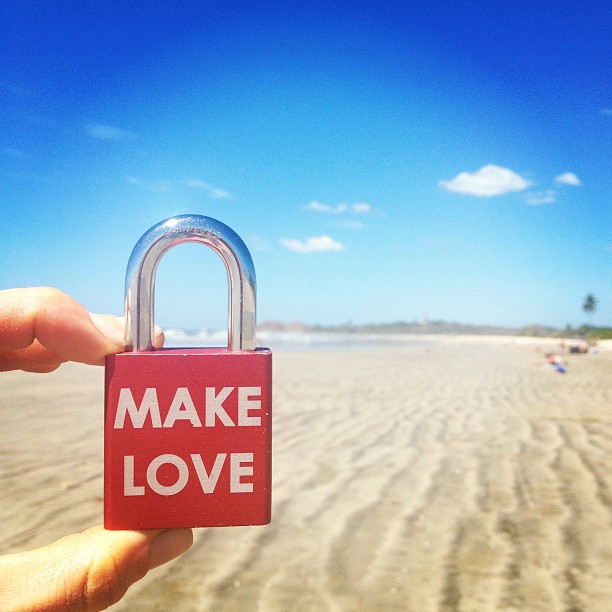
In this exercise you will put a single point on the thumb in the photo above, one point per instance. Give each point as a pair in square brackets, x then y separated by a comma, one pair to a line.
[86, 571]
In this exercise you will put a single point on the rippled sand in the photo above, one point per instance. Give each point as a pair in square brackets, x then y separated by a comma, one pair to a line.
[453, 476]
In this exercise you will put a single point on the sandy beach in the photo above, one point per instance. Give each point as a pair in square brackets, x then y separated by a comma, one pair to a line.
[452, 475]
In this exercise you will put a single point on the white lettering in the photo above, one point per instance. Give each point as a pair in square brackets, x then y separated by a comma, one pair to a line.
[245, 404]
[129, 489]
[181, 481]
[237, 470]
[214, 406]
[182, 398]
[240, 465]
[208, 482]
[127, 405]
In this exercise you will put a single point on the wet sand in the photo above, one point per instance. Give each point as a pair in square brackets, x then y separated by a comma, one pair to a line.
[458, 475]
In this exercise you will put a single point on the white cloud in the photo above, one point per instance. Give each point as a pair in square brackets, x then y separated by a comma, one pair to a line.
[213, 192]
[351, 224]
[359, 208]
[314, 244]
[164, 186]
[159, 186]
[606, 111]
[536, 198]
[568, 178]
[107, 132]
[259, 243]
[362, 207]
[490, 180]
[318, 207]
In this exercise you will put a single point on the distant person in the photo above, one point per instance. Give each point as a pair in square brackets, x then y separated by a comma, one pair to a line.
[39, 330]
[555, 362]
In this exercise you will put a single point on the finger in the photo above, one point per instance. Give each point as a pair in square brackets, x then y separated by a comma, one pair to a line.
[49, 318]
[113, 327]
[86, 571]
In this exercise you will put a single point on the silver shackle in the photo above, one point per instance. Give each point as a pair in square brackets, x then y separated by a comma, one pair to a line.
[140, 278]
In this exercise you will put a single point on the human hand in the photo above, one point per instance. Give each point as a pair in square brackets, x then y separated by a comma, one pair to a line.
[85, 571]
[41, 328]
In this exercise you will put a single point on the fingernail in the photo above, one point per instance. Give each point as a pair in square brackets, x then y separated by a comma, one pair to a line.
[168, 545]
[159, 339]
[109, 326]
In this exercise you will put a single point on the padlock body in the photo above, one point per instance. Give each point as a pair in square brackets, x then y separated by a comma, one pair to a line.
[187, 439]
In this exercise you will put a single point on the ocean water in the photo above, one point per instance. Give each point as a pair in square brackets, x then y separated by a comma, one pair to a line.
[295, 341]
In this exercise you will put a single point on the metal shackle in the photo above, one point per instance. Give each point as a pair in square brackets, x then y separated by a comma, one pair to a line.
[142, 265]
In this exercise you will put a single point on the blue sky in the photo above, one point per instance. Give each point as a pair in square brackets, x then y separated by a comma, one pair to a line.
[383, 161]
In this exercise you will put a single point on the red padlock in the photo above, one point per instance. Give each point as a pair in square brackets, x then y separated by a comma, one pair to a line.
[187, 439]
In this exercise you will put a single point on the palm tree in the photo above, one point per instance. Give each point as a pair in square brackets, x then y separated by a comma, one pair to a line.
[590, 305]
